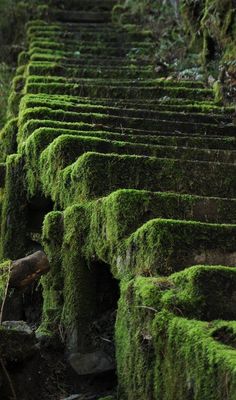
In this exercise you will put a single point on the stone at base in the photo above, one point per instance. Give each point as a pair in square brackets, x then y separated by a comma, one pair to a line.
[91, 363]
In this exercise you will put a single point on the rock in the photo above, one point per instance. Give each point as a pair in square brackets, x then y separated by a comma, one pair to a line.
[15, 345]
[19, 326]
[91, 363]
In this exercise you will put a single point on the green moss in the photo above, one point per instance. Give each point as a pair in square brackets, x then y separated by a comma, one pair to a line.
[79, 281]
[14, 236]
[95, 174]
[165, 246]
[8, 138]
[203, 292]
[219, 94]
[23, 58]
[163, 356]
[117, 216]
[52, 283]
[115, 92]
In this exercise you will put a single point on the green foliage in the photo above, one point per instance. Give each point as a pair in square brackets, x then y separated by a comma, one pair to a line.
[5, 80]
[14, 238]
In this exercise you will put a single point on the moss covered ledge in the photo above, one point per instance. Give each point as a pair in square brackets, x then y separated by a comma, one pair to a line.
[163, 356]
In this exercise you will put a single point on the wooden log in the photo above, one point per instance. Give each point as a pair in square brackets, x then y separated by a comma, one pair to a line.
[26, 270]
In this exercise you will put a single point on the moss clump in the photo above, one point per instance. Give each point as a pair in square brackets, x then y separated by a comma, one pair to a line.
[202, 292]
[79, 280]
[8, 138]
[14, 236]
[52, 283]
[165, 246]
[163, 356]
[95, 174]
[117, 216]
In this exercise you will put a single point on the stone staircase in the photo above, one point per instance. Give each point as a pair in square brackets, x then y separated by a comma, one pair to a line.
[135, 173]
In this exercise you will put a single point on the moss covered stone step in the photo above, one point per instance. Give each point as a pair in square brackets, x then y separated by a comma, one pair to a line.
[158, 104]
[40, 24]
[209, 118]
[30, 126]
[139, 124]
[78, 16]
[95, 175]
[118, 215]
[203, 292]
[60, 154]
[56, 69]
[164, 246]
[71, 44]
[90, 35]
[49, 131]
[89, 59]
[85, 4]
[190, 86]
[185, 85]
[116, 91]
[105, 35]
[199, 292]
[163, 104]
[81, 50]
[52, 126]
[179, 350]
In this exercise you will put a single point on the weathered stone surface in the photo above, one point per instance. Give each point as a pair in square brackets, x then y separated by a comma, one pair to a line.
[18, 326]
[91, 363]
[15, 345]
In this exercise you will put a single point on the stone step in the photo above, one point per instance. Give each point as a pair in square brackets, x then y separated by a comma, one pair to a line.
[125, 53]
[157, 82]
[85, 4]
[210, 293]
[66, 149]
[27, 129]
[207, 118]
[162, 247]
[57, 69]
[130, 209]
[39, 24]
[164, 104]
[90, 60]
[72, 16]
[53, 130]
[211, 346]
[70, 44]
[117, 91]
[82, 51]
[139, 124]
[89, 35]
[95, 175]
